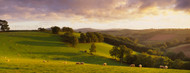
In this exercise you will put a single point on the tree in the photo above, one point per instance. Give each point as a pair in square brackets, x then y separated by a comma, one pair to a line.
[74, 41]
[114, 52]
[70, 38]
[55, 29]
[41, 29]
[92, 48]
[4, 25]
[99, 36]
[177, 64]
[155, 52]
[67, 29]
[128, 54]
[171, 55]
[180, 55]
[83, 38]
[122, 49]
[91, 37]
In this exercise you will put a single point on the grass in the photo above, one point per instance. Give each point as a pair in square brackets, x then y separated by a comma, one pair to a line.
[27, 50]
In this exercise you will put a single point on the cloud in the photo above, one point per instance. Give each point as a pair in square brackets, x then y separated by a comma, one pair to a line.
[102, 10]
[183, 5]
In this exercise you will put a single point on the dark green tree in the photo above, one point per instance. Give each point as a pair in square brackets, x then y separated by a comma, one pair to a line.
[4, 25]
[83, 38]
[55, 29]
[128, 54]
[67, 29]
[99, 36]
[180, 55]
[41, 29]
[74, 41]
[114, 52]
[91, 37]
[70, 38]
[122, 50]
[92, 48]
[177, 64]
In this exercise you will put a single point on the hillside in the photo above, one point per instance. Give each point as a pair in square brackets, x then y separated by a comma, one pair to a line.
[25, 52]
[151, 36]
[184, 48]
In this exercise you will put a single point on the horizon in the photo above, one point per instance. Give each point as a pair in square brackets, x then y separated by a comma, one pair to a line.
[97, 14]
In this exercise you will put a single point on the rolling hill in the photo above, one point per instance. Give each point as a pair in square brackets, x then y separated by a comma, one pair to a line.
[184, 48]
[24, 52]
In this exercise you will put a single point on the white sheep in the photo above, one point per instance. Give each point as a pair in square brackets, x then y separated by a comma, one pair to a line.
[140, 65]
[132, 65]
[165, 67]
[105, 64]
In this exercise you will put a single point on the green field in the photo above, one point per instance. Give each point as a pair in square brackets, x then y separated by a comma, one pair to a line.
[24, 52]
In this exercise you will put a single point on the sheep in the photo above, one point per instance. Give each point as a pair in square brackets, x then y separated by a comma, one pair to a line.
[161, 66]
[45, 61]
[105, 64]
[82, 63]
[85, 51]
[7, 60]
[132, 65]
[65, 62]
[165, 67]
[77, 62]
[140, 65]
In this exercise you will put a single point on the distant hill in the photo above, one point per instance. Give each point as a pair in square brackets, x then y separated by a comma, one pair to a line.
[147, 36]
[87, 30]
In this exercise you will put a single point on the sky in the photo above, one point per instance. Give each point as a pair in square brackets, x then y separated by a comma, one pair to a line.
[99, 14]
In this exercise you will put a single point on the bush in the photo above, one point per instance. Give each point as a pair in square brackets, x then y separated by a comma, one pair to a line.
[55, 29]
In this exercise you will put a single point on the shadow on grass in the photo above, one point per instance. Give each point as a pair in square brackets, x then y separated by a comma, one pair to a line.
[37, 43]
[39, 38]
[55, 53]
[80, 57]
[8, 68]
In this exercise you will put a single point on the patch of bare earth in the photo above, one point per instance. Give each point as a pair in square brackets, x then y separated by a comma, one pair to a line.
[162, 37]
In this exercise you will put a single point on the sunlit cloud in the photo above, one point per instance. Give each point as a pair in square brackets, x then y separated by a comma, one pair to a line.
[90, 11]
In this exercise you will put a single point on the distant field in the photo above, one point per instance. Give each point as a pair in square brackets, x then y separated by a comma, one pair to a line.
[162, 37]
[151, 36]
[24, 52]
[184, 48]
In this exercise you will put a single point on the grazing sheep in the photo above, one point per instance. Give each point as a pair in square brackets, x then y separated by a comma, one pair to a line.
[161, 66]
[65, 62]
[132, 65]
[77, 62]
[7, 60]
[45, 61]
[165, 67]
[85, 51]
[105, 64]
[82, 63]
[140, 65]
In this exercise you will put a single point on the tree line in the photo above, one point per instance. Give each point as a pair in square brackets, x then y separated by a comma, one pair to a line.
[125, 54]
[131, 43]
[69, 37]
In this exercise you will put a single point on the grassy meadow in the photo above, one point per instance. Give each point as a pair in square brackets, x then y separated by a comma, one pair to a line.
[24, 52]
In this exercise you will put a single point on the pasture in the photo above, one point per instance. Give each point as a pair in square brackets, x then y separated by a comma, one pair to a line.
[25, 52]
